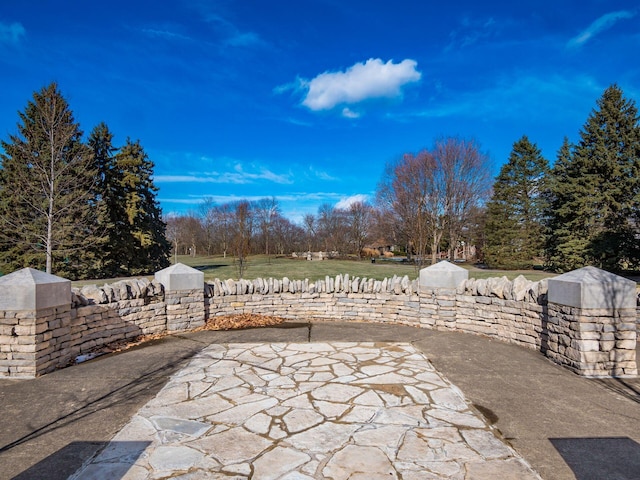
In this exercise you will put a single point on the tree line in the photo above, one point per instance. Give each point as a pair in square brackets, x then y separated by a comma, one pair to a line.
[242, 228]
[89, 209]
[79, 209]
[434, 204]
[427, 206]
[584, 210]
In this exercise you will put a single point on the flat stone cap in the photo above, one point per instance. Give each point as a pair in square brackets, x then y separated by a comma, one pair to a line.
[30, 289]
[590, 287]
[180, 277]
[443, 275]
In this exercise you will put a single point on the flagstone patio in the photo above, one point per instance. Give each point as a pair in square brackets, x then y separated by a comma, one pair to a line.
[289, 411]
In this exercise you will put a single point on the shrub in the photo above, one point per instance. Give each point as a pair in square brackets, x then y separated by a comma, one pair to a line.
[370, 252]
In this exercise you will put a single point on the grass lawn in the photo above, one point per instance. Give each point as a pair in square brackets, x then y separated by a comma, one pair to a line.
[298, 269]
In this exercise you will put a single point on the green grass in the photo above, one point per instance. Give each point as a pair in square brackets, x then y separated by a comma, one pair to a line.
[261, 266]
[279, 267]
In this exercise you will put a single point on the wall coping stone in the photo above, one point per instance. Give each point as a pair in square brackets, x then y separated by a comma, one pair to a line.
[30, 289]
[443, 275]
[590, 287]
[180, 277]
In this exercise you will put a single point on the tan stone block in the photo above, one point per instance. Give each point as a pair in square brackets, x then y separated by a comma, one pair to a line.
[626, 344]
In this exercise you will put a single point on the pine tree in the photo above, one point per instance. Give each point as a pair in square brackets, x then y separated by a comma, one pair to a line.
[595, 191]
[143, 246]
[104, 261]
[47, 187]
[566, 235]
[514, 213]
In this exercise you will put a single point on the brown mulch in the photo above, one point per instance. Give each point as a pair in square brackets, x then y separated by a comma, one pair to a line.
[242, 320]
[222, 322]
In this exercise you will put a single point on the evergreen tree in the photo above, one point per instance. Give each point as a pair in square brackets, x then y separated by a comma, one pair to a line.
[566, 238]
[514, 213]
[143, 247]
[104, 260]
[595, 191]
[47, 190]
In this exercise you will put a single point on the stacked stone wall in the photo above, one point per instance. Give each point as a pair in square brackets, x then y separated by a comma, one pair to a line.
[394, 300]
[511, 311]
[588, 341]
[185, 310]
[593, 342]
[37, 342]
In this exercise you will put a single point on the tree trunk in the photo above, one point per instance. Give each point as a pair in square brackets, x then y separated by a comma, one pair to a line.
[49, 242]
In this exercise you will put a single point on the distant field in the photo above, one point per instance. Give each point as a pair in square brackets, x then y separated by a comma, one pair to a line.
[278, 267]
[297, 269]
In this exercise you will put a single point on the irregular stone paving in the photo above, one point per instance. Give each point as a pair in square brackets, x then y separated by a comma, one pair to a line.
[340, 411]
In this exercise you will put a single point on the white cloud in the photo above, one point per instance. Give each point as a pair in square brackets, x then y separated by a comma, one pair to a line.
[601, 24]
[164, 34]
[238, 177]
[362, 81]
[345, 203]
[295, 198]
[348, 113]
[11, 33]
[321, 175]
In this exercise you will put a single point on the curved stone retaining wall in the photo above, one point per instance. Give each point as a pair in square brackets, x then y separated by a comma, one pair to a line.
[394, 300]
[38, 338]
[510, 311]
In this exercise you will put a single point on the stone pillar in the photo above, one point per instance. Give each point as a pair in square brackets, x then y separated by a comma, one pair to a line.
[438, 285]
[591, 323]
[35, 314]
[183, 295]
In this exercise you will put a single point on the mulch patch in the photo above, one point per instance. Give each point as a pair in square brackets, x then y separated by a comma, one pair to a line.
[222, 322]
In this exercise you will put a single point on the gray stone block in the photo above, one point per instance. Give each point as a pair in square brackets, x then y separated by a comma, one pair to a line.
[30, 289]
[180, 277]
[590, 287]
[443, 275]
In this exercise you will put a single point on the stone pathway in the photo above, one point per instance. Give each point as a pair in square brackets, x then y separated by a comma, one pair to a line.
[340, 411]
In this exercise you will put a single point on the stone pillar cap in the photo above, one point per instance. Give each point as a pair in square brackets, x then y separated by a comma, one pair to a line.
[180, 277]
[591, 287]
[443, 275]
[30, 289]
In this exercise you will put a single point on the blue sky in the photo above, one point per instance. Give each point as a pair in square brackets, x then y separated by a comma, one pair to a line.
[308, 100]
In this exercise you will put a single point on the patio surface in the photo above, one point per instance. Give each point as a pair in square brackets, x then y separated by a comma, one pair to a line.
[308, 411]
[565, 426]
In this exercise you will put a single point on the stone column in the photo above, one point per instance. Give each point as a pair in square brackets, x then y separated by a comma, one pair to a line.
[438, 285]
[591, 323]
[35, 317]
[184, 296]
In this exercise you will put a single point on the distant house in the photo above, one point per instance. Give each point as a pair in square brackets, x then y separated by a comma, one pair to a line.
[383, 246]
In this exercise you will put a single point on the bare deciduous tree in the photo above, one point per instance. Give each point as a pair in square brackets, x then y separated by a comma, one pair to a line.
[310, 227]
[242, 232]
[359, 218]
[332, 228]
[208, 220]
[223, 215]
[266, 210]
[466, 182]
[431, 193]
[407, 191]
